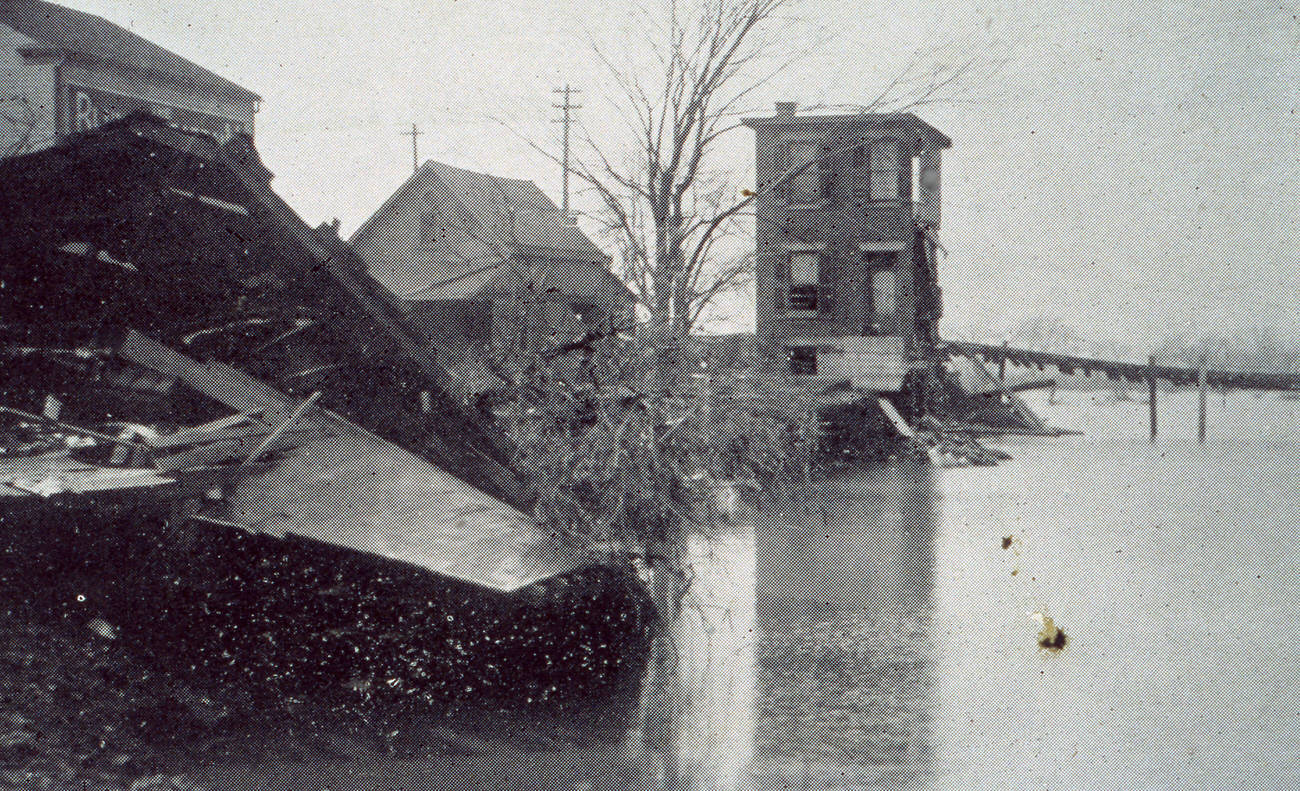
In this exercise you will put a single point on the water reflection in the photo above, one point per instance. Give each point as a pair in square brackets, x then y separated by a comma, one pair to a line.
[845, 593]
[697, 726]
[802, 656]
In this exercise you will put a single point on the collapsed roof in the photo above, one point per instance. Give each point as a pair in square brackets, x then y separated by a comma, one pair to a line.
[139, 225]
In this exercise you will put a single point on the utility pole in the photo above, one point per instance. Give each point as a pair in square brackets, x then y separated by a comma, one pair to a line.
[567, 107]
[414, 134]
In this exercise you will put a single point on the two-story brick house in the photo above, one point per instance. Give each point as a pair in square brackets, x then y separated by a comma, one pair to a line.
[846, 233]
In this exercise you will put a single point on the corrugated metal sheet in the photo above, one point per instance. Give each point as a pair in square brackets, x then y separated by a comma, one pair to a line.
[362, 493]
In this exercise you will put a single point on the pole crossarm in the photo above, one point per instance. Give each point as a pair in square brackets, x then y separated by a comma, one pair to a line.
[1115, 370]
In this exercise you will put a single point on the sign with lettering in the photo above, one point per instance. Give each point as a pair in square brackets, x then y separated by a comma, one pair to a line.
[88, 109]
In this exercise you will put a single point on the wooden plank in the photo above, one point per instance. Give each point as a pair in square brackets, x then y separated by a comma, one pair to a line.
[227, 428]
[1026, 414]
[900, 425]
[297, 413]
[61, 475]
[71, 429]
[230, 448]
[235, 389]
[1022, 387]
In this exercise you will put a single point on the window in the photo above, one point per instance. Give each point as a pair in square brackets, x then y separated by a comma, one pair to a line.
[806, 186]
[884, 294]
[803, 298]
[805, 277]
[886, 160]
[805, 269]
[803, 360]
[586, 314]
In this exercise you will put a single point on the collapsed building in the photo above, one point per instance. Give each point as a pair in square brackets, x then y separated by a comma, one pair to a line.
[201, 386]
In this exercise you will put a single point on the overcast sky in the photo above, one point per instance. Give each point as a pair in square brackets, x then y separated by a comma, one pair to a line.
[1132, 169]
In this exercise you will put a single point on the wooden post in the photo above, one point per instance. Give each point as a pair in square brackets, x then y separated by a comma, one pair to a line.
[1151, 391]
[1002, 364]
[1200, 383]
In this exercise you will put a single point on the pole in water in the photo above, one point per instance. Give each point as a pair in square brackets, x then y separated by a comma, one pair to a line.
[1201, 376]
[1151, 387]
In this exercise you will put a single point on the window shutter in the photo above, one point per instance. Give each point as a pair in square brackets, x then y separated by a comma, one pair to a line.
[886, 169]
[826, 300]
[828, 284]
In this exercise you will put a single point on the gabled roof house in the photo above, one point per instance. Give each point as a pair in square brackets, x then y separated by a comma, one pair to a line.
[480, 260]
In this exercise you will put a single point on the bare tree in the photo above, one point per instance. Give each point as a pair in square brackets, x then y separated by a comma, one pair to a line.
[665, 205]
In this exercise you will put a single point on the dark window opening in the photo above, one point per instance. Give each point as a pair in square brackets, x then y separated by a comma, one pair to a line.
[860, 156]
[882, 294]
[803, 298]
[880, 167]
[810, 173]
[805, 277]
[803, 360]
[886, 170]
[585, 313]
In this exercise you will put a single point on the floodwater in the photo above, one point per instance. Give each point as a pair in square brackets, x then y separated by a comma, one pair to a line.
[895, 641]
[882, 631]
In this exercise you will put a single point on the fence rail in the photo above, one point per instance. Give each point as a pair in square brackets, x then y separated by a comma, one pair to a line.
[1133, 372]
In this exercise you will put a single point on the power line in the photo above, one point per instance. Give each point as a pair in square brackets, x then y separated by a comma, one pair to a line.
[414, 134]
[567, 107]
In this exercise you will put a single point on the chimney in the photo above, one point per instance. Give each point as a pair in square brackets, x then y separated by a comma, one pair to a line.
[786, 109]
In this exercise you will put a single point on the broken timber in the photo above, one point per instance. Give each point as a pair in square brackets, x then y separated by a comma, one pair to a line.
[940, 445]
[255, 289]
[251, 312]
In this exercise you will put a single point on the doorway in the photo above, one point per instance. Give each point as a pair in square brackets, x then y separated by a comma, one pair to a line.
[881, 297]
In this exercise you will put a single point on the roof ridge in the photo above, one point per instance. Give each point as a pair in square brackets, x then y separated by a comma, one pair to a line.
[98, 38]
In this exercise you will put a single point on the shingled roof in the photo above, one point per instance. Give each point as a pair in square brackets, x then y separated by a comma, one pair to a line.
[92, 38]
[449, 233]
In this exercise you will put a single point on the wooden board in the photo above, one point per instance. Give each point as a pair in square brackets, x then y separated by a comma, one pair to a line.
[895, 418]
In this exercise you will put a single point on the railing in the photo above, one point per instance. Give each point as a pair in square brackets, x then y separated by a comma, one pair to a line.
[1115, 370]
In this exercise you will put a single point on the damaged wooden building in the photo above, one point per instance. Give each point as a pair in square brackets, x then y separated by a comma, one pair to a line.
[219, 404]
[482, 262]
